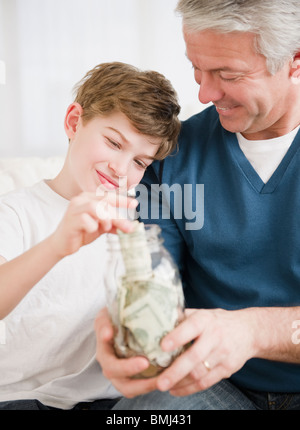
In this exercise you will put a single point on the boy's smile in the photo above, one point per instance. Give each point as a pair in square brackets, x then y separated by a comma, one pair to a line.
[107, 182]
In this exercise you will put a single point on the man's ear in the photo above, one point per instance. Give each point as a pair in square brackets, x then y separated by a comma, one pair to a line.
[295, 69]
[72, 119]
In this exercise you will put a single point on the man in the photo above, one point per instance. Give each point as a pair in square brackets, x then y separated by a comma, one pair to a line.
[242, 268]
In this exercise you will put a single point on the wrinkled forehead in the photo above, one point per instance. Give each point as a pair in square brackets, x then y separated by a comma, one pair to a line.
[214, 50]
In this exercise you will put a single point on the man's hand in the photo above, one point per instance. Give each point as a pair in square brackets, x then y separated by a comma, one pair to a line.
[222, 342]
[120, 370]
[221, 346]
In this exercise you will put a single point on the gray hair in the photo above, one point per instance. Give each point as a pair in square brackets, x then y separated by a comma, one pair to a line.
[276, 24]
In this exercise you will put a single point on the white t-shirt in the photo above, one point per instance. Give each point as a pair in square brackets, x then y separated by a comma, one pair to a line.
[266, 155]
[49, 348]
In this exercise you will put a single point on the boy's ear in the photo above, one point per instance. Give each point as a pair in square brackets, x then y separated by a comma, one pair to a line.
[295, 69]
[72, 119]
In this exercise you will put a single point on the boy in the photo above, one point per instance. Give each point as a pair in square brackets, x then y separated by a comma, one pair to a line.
[51, 285]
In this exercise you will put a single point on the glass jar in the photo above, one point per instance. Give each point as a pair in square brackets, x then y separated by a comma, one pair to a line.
[144, 295]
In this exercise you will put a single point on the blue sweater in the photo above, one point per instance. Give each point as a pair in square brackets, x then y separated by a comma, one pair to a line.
[245, 248]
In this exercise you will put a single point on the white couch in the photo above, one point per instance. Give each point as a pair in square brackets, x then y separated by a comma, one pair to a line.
[26, 171]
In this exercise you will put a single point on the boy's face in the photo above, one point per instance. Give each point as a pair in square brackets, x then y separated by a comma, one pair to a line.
[106, 151]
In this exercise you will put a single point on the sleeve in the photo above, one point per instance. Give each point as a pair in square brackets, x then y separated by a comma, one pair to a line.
[154, 208]
[11, 232]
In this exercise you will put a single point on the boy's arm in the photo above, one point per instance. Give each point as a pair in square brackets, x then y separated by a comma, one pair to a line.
[81, 225]
[19, 275]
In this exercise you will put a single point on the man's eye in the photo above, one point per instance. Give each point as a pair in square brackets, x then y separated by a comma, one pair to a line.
[229, 78]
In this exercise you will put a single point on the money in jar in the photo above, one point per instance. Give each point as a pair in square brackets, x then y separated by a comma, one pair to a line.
[144, 295]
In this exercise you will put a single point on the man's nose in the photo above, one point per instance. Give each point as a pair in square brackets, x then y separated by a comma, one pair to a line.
[210, 89]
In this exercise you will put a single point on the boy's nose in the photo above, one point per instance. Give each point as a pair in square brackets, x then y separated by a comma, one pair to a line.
[119, 167]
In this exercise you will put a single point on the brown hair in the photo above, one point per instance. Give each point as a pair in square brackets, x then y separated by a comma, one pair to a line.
[147, 98]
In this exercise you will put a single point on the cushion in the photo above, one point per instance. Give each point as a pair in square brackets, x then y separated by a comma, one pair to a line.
[20, 172]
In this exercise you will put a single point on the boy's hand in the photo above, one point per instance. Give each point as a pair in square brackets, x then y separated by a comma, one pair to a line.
[87, 217]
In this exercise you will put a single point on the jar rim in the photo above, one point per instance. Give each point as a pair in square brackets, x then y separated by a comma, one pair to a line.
[152, 234]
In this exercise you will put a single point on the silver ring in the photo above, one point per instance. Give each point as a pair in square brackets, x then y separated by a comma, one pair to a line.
[207, 365]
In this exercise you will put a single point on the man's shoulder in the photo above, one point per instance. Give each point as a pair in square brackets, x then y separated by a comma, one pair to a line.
[197, 132]
[200, 124]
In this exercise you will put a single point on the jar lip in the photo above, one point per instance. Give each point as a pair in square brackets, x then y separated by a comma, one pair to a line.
[152, 232]
[152, 227]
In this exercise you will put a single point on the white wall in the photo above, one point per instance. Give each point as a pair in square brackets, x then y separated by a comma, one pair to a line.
[49, 45]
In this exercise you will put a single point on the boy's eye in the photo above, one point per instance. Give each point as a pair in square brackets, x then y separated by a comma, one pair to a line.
[141, 164]
[114, 143]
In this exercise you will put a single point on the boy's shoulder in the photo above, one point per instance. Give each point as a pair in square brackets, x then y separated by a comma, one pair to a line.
[36, 204]
[21, 195]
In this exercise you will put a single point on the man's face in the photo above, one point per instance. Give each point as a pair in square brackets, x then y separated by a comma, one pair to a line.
[235, 79]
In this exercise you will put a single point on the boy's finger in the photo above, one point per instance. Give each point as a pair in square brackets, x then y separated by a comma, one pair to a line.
[111, 198]
[123, 224]
[115, 198]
